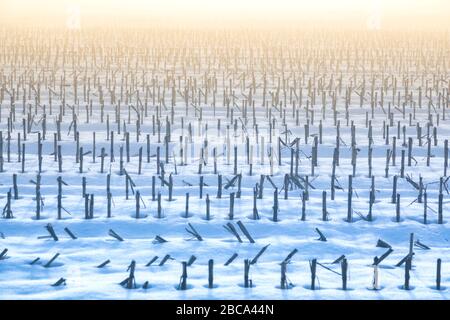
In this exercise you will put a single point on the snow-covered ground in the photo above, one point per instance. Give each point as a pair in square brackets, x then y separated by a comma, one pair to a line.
[22, 276]
[79, 258]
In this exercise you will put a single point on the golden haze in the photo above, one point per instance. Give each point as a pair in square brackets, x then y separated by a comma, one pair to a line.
[207, 13]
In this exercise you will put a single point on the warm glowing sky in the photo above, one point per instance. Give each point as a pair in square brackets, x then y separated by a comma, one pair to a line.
[357, 11]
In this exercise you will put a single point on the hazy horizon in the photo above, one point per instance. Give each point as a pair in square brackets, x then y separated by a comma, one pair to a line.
[372, 14]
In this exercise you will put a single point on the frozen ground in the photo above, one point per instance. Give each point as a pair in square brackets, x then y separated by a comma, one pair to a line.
[259, 84]
[357, 241]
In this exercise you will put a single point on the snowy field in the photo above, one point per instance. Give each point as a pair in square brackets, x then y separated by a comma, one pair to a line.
[88, 244]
